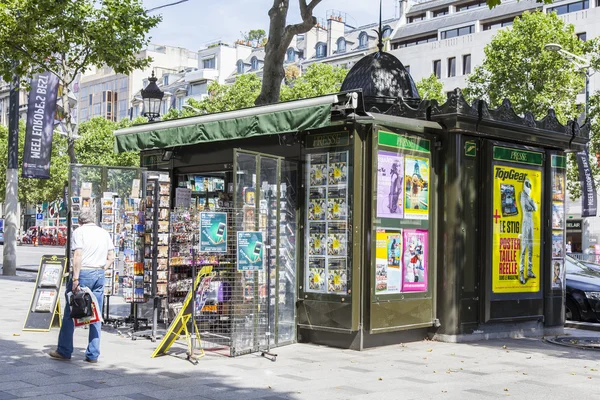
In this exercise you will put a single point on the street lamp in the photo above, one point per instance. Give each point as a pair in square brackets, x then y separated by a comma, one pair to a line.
[580, 63]
[152, 96]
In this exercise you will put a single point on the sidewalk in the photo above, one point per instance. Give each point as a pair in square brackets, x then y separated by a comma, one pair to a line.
[516, 368]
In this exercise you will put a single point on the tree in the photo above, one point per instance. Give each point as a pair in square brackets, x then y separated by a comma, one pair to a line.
[517, 67]
[95, 144]
[280, 37]
[431, 88]
[256, 37]
[317, 80]
[36, 190]
[67, 37]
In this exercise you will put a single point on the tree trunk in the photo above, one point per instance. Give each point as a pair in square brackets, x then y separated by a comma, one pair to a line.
[280, 37]
[67, 112]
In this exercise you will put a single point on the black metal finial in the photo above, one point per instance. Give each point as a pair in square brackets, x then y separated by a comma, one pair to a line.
[380, 30]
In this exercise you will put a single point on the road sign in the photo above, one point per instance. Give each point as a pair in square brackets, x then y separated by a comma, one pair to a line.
[39, 219]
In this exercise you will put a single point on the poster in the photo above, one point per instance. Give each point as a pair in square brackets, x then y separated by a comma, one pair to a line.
[558, 185]
[250, 251]
[318, 174]
[415, 260]
[558, 215]
[516, 222]
[336, 204]
[51, 274]
[338, 173]
[337, 276]
[317, 241]
[557, 244]
[316, 275]
[202, 293]
[388, 273]
[390, 178]
[183, 197]
[416, 186]
[316, 209]
[558, 274]
[45, 300]
[213, 232]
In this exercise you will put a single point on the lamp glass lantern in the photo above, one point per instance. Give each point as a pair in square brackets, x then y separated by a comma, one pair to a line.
[152, 96]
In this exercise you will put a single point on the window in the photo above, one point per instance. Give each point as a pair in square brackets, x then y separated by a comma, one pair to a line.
[582, 36]
[198, 88]
[440, 12]
[416, 41]
[498, 24]
[465, 30]
[363, 40]
[83, 114]
[254, 63]
[180, 103]
[321, 50]
[437, 68]
[291, 55]
[387, 31]
[415, 18]
[209, 63]
[451, 67]
[466, 65]
[122, 105]
[470, 5]
[91, 99]
[97, 109]
[97, 88]
[124, 83]
[569, 8]
[83, 93]
[341, 45]
[240, 67]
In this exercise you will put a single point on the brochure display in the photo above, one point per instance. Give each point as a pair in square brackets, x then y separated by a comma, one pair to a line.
[45, 307]
[327, 223]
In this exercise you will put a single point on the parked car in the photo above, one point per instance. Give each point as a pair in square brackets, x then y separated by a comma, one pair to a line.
[583, 291]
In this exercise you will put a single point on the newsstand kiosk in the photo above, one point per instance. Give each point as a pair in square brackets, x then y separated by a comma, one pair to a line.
[381, 217]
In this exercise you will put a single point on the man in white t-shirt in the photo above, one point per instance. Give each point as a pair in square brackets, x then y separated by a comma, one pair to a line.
[93, 252]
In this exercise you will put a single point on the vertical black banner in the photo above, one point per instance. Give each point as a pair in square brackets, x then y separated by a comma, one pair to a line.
[588, 187]
[41, 107]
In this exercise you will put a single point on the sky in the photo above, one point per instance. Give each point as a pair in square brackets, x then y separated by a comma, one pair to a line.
[196, 23]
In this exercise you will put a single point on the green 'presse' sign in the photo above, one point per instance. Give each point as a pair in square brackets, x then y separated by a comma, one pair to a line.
[404, 142]
[559, 161]
[518, 156]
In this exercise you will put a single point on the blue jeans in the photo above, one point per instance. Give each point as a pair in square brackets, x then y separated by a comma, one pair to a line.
[94, 280]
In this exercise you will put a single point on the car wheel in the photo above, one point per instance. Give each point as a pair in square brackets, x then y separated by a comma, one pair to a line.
[572, 311]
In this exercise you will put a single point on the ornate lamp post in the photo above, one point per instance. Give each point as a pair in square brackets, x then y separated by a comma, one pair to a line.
[152, 96]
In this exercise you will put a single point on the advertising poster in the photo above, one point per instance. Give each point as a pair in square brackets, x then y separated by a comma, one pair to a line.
[390, 179]
[558, 215]
[250, 251]
[557, 244]
[336, 241]
[336, 204]
[202, 293]
[45, 300]
[388, 274]
[516, 222]
[416, 186]
[558, 274]
[318, 174]
[317, 243]
[337, 276]
[51, 275]
[316, 275]
[213, 232]
[316, 209]
[558, 186]
[415, 260]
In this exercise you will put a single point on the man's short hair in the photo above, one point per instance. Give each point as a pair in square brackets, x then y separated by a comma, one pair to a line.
[86, 217]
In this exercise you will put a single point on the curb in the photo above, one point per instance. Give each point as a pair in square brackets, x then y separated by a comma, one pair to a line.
[588, 326]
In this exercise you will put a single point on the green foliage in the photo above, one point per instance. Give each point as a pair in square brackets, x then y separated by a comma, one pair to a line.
[317, 80]
[518, 67]
[95, 145]
[34, 190]
[256, 37]
[431, 88]
[68, 36]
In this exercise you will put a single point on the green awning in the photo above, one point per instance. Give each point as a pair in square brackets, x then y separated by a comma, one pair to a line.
[223, 126]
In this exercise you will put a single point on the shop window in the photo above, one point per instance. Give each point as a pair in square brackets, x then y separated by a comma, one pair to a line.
[437, 68]
[451, 67]
[466, 65]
